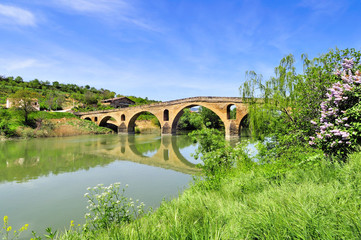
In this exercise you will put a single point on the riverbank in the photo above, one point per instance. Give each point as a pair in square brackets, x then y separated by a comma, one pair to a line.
[48, 124]
[318, 202]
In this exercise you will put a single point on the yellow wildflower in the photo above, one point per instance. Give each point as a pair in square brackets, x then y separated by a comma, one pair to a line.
[5, 219]
[71, 223]
[8, 229]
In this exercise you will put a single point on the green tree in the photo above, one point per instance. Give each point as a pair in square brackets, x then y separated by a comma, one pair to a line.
[284, 105]
[287, 102]
[210, 119]
[56, 85]
[5, 122]
[24, 100]
[90, 97]
[19, 79]
[190, 120]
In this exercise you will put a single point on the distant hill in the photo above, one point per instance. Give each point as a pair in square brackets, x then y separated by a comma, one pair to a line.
[59, 96]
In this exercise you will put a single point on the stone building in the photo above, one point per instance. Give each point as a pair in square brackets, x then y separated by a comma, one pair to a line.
[119, 102]
[11, 102]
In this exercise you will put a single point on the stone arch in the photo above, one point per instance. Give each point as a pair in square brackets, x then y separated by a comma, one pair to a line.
[166, 115]
[131, 124]
[87, 118]
[104, 120]
[104, 123]
[230, 108]
[243, 124]
[180, 113]
[122, 118]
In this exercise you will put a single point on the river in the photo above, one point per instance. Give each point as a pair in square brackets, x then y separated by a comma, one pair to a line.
[43, 181]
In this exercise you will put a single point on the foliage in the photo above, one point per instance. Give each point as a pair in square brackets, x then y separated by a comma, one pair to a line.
[52, 101]
[7, 231]
[24, 100]
[108, 206]
[287, 102]
[89, 108]
[284, 106]
[55, 96]
[190, 120]
[7, 123]
[44, 124]
[198, 120]
[321, 202]
[51, 115]
[210, 119]
[140, 101]
[338, 129]
[216, 154]
[155, 122]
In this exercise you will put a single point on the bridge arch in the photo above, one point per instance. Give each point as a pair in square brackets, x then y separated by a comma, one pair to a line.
[231, 111]
[112, 124]
[244, 126]
[132, 119]
[166, 115]
[180, 112]
[104, 120]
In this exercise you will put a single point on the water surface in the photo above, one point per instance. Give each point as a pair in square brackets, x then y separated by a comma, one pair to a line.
[43, 181]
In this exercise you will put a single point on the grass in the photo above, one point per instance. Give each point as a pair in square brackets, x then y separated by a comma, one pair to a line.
[321, 202]
[49, 124]
[51, 115]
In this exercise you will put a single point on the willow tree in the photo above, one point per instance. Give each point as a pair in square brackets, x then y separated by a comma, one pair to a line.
[271, 102]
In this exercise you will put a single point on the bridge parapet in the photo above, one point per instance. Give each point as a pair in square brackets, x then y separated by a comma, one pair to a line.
[169, 103]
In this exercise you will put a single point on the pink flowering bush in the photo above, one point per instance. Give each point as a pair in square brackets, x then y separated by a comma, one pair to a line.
[337, 131]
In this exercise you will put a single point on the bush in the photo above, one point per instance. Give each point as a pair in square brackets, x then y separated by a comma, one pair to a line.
[217, 155]
[108, 206]
[338, 130]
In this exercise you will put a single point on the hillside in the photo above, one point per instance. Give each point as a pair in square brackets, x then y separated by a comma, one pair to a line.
[59, 96]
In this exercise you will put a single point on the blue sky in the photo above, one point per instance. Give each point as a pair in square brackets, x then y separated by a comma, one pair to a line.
[167, 49]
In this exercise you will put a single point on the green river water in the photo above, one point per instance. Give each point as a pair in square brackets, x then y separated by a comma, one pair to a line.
[43, 181]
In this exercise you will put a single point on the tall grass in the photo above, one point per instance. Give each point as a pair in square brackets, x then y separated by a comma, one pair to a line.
[322, 202]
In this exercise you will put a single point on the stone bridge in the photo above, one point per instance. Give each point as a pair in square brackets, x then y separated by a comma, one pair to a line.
[168, 114]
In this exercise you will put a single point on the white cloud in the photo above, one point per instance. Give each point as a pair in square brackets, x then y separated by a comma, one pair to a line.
[111, 11]
[97, 6]
[10, 65]
[11, 15]
[324, 6]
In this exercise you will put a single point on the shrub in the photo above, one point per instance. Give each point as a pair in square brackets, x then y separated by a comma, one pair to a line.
[108, 206]
[217, 155]
[337, 131]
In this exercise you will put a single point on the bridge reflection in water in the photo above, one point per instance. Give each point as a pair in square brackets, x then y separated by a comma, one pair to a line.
[161, 151]
[24, 160]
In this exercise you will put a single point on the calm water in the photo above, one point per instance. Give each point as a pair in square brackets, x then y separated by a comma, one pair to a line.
[43, 181]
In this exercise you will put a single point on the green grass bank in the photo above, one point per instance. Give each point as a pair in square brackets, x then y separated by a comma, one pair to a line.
[45, 124]
[319, 202]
